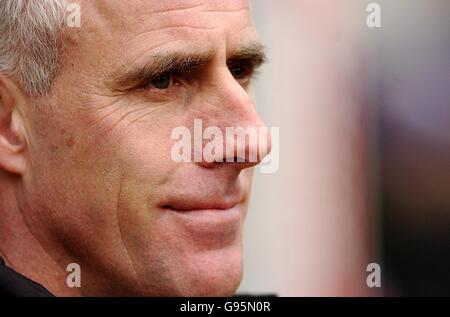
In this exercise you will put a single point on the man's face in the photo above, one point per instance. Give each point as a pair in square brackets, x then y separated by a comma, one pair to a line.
[102, 189]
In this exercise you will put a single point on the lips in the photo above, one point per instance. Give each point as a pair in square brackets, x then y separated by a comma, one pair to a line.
[195, 204]
[210, 218]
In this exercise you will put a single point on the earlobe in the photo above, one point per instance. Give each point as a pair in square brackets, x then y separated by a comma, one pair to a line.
[12, 139]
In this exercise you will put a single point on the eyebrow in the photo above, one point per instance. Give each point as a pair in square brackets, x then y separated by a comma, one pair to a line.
[255, 53]
[183, 62]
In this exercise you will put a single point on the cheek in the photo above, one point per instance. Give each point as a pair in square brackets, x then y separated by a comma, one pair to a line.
[145, 160]
[145, 166]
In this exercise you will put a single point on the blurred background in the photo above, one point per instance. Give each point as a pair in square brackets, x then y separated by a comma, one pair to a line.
[364, 177]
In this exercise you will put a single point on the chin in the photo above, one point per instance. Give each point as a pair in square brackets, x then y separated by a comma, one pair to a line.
[214, 278]
[210, 274]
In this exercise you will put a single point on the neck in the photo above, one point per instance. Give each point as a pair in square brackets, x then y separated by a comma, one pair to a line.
[25, 253]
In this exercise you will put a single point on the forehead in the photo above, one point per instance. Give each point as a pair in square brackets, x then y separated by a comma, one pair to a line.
[117, 33]
[147, 7]
[153, 22]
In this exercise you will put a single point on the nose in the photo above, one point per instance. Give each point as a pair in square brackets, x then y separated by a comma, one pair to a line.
[246, 139]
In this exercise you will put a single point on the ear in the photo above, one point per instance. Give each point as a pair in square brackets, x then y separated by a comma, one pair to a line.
[12, 138]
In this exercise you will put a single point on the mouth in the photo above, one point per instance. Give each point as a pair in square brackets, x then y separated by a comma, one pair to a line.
[196, 206]
[218, 220]
[208, 214]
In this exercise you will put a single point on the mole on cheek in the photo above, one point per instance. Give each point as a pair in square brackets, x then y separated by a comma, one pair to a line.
[70, 141]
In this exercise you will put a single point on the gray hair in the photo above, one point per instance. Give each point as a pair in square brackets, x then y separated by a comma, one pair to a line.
[30, 45]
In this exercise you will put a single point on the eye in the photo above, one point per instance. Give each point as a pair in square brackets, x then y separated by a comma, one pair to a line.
[239, 72]
[161, 82]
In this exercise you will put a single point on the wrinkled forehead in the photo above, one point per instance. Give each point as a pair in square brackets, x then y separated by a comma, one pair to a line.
[116, 34]
[180, 17]
[116, 8]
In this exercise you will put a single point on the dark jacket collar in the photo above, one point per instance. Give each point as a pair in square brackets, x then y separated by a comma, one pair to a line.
[13, 284]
